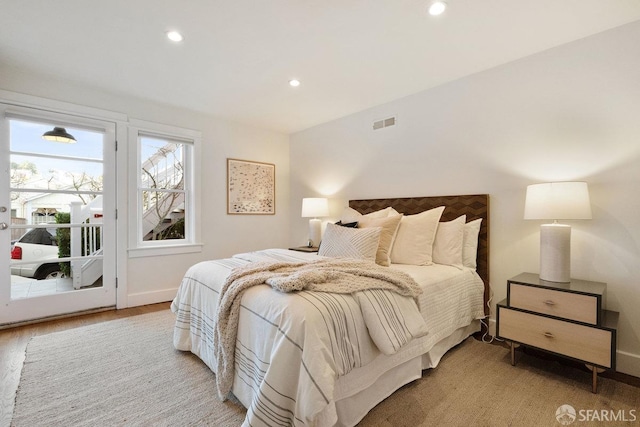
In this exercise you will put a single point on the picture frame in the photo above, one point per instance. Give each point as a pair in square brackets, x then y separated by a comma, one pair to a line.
[251, 187]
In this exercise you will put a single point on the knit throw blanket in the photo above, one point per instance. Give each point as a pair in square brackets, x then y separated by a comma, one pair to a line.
[329, 275]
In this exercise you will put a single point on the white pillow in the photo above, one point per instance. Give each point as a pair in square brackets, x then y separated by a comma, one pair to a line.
[389, 228]
[414, 240]
[470, 243]
[345, 242]
[447, 246]
[352, 215]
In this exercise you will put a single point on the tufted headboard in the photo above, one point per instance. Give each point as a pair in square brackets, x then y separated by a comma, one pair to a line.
[473, 206]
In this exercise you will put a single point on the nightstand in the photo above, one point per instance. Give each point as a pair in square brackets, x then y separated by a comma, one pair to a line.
[309, 249]
[567, 319]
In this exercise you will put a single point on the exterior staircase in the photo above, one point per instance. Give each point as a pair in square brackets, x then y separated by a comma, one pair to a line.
[159, 215]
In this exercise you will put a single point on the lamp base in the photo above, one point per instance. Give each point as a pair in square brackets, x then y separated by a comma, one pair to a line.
[555, 253]
[314, 232]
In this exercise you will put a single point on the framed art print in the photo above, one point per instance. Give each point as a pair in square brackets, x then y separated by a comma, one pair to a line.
[251, 188]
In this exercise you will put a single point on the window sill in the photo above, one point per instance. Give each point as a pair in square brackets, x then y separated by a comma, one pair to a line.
[165, 250]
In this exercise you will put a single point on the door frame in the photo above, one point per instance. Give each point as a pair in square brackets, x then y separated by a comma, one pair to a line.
[81, 116]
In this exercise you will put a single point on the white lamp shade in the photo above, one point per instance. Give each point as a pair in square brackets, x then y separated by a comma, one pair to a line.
[314, 207]
[558, 200]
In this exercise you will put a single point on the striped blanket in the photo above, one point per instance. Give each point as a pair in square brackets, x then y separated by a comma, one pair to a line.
[392, 320]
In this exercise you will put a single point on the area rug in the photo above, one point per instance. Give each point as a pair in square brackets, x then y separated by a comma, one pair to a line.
[475, 385]
[126, 373]
[117, 373]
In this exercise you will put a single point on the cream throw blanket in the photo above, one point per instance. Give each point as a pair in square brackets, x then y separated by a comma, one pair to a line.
[329, 275]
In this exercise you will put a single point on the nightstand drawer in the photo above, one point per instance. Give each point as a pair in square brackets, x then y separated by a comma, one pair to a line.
[581, 342]
[580, 307]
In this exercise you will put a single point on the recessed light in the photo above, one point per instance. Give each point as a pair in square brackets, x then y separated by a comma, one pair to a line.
[174, 36]
[294, 82]
[437, 7]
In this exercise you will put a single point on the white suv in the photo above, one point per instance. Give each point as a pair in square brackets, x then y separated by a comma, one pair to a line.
[38, 245]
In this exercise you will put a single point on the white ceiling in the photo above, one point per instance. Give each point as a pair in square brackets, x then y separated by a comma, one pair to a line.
[238, 55]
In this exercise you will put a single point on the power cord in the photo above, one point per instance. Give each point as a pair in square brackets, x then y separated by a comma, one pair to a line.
[486, 324]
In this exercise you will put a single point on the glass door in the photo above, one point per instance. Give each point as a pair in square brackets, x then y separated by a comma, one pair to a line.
[57, 214]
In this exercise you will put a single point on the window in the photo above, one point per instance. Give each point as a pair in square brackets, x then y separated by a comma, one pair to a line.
[161, 190]
[165, 187]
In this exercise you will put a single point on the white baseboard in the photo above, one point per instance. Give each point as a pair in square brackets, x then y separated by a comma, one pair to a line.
[153, 297]
[627, 363]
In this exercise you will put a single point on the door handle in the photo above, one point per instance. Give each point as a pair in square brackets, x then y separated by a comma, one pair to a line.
[3, 226]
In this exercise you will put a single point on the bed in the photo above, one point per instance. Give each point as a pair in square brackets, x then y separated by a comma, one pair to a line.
[306, 358]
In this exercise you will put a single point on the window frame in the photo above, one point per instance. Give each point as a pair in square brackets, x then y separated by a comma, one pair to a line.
[191, 141]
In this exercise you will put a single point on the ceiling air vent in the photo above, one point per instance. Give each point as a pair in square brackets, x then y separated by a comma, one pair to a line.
[384, 123]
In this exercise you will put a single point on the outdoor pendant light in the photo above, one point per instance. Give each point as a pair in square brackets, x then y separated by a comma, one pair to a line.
[59, 134]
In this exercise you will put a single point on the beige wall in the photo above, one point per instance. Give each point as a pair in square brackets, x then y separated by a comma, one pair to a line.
[570, 113]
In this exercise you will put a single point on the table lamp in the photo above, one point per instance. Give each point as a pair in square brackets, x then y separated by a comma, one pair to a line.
[314, 207]
[556, 201]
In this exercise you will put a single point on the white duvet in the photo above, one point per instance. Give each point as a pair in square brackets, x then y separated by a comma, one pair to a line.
[291, 348]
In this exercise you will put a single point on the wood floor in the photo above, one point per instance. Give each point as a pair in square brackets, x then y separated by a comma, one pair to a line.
[13, 343]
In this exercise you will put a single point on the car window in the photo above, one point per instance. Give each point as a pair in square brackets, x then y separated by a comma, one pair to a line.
[39, 236]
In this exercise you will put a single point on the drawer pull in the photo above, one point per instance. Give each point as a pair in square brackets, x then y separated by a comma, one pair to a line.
[548, 335]
[549, 302]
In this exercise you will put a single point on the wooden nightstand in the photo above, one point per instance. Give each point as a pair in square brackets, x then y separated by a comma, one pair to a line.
[309, 249]
[567, 319]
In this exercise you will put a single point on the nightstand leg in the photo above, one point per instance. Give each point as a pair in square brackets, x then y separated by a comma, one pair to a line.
[513, 354]
[594, 385]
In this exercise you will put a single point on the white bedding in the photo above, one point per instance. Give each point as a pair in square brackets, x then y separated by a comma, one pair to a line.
[287, 367]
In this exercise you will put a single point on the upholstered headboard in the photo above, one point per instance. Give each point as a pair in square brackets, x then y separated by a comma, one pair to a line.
[473, 206]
